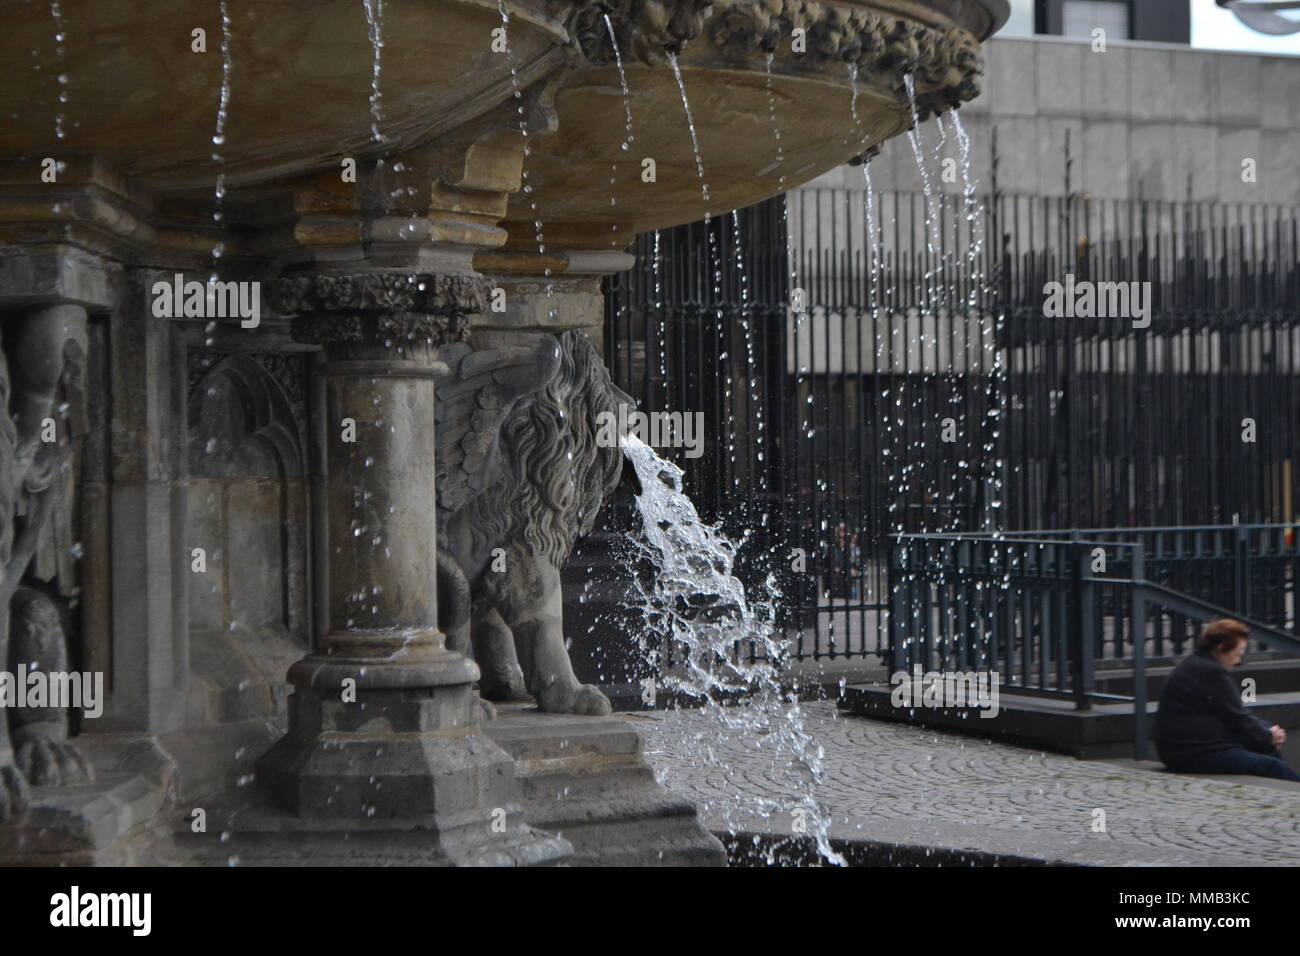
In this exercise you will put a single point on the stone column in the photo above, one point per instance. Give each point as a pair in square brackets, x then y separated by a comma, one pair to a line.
[384, 720]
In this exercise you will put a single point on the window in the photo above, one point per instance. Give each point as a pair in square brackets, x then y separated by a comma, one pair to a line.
[1080, 17]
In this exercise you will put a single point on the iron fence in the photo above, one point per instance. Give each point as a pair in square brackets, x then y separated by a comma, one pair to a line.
[874, 368]
[1041, 615]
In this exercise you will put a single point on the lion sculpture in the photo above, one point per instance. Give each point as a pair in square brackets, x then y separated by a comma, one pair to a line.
[521, 476]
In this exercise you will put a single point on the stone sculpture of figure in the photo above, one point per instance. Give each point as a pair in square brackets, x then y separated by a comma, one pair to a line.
[40, 734]
[521, 476]
[39, 349]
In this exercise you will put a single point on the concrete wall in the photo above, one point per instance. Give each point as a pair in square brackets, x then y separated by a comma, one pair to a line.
[1144, 119]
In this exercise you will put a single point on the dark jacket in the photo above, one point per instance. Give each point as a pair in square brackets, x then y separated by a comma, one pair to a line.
[1201, 713]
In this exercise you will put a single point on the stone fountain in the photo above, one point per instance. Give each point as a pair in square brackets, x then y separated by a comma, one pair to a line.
[370, 480]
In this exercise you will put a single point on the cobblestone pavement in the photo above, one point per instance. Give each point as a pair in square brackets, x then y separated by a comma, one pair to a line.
[897, 783]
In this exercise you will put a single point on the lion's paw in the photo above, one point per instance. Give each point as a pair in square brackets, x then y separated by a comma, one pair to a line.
[14, 794]
[47, 761]
[574, 699]
[504, 687]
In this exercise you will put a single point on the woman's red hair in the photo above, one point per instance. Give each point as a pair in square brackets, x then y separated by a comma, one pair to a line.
[1222, 635]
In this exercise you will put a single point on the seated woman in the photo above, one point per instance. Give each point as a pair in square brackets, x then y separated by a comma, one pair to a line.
[1201, 725]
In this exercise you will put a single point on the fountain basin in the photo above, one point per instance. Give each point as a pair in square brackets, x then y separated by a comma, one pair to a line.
[771, 109]
[372, 293]
[300, 88]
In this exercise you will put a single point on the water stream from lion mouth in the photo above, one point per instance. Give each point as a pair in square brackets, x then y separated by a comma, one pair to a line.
[699, 635]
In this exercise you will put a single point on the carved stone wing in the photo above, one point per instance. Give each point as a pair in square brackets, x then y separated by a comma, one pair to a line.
[474, 398]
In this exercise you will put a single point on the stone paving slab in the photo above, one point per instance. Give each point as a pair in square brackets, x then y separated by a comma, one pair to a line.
[898, 784]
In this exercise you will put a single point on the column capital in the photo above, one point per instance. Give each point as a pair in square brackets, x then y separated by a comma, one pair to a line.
[379, 314]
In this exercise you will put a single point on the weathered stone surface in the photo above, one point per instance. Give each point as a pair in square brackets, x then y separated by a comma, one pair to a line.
[43, 364]
[321, 542]
[113, 822]
[741, 75]
[585, 778]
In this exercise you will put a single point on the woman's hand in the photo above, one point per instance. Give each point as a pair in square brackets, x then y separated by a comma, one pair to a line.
[1279, 735]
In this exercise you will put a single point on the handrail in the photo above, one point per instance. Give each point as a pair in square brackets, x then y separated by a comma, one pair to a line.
[1145, 529]
[1205, 611]
[1052, 611]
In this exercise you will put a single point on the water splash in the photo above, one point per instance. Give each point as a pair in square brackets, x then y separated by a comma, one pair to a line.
[755, 402]
[526, 187]
[973, 213]
[626, 145]
[690, 122]
[218, 142]
[711, 644]
[223, 99]
[60, 34]
[992, 519]
[923, 168]
[375, 28]
[622, 80]
[776, 126]
[853, 93]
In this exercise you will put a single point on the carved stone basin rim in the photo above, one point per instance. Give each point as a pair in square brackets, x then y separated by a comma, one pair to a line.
[771, 109]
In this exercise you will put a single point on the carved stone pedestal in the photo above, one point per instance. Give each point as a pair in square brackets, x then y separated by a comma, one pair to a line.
[384, 749]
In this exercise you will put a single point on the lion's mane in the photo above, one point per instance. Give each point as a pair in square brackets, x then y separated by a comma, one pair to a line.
[552, 476]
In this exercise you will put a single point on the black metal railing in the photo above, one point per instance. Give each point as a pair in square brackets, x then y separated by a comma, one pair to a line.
[1041, 614]
[1253, 570]
[869, 372]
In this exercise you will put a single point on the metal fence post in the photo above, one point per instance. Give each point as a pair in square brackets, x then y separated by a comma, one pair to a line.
[1081, 627]
[1138, 626]
[896, 604]
[1090, 641]
[1240, 568]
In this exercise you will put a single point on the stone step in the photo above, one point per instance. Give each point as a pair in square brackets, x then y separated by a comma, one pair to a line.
[248, 827]
[635, 833]
[516, 731]
[592, 780]
[114, 821]
[586, 779]
[551, 794]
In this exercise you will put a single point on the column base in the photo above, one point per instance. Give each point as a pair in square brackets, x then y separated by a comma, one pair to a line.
[384, 763]
[255, 832]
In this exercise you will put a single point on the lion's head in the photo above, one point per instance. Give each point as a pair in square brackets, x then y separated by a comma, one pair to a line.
[552, 475]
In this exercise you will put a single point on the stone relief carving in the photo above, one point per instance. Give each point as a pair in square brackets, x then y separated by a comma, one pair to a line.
[947, 64]
[288, 371]
[43, 354]
[384, 310]
[520, 478]
[520, 474]
[379, 292]
[40, 734]
[950, 74]
[647, 30]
